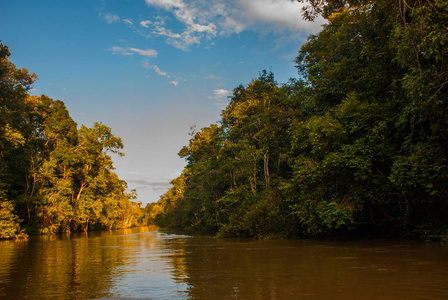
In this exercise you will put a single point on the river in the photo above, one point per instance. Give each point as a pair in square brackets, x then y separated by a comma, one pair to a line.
[148, 263]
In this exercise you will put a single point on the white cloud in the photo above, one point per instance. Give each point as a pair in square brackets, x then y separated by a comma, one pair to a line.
[195, 18]
[166, 3]
[120, 50]
[231, 25]
[174, 82]
[145, 23]
[132, 51]
[209, 28]
[158, 71]
[147, 65]
[160, 30]
[150, 52]
[110, 18]
[220, 94]
[204, 19]
[128, 22]
[283, 14]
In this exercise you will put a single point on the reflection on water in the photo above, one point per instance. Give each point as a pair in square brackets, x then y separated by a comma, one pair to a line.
[85, 266]
[152, 264]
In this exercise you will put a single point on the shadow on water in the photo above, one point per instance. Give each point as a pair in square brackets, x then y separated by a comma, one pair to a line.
[145, 263]
[315, 270]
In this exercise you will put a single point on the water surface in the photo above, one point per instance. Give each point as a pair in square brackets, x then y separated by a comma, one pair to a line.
[148, 263]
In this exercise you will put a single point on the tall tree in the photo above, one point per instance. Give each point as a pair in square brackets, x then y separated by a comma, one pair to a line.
[357, 145]
[54, 177]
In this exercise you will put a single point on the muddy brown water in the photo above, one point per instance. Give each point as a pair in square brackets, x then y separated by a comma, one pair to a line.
[148, 263]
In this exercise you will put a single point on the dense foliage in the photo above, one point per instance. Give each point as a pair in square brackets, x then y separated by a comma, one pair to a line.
[357, 145]
[53, 176]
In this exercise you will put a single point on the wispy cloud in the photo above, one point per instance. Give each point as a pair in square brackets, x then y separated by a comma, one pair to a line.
[163, 31]
[132, 51]
[207, 19]
[120, 50]
[161, 73]
[149, 53]
[110, 18]
[197, 24]
[150, 185]
[174, 82]
[147, 65]
[128, 22]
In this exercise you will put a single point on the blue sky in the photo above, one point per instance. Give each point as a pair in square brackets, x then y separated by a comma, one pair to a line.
[151, 69]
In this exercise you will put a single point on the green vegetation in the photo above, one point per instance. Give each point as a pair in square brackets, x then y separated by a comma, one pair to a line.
[357, 145]
[53, 176]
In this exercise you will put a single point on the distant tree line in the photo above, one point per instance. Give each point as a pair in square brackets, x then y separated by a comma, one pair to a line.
[54, 177]
[358, 144]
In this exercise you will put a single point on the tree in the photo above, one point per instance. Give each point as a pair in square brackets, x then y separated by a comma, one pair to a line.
[9, 222]
[16, 111]
[54, 177]
[357, 145]
[93, 171]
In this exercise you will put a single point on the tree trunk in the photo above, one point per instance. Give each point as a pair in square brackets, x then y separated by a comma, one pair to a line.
[253, 181]
[85, 226]
[266, 172]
